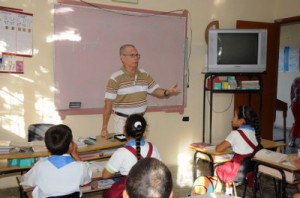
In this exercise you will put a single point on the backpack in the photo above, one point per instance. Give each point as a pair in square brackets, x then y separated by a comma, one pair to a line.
[206, 184]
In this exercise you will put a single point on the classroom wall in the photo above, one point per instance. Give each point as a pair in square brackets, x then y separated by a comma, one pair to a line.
[285, 9]
[28, 98]
[289, 36]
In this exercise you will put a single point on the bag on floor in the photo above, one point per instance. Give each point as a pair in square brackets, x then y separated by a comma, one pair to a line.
[206, 185]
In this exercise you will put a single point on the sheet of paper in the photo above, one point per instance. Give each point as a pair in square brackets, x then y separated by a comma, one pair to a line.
[210, 147]
[288, 164]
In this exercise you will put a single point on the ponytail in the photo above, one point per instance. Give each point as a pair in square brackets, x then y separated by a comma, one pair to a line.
[251, 118]
[135, 127]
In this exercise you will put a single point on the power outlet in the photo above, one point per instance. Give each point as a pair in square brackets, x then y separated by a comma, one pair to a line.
[186, 118]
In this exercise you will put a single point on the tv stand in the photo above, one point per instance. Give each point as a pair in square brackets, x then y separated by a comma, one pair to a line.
[211, 90]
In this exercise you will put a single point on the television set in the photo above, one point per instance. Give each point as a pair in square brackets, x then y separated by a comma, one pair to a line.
[237, 50]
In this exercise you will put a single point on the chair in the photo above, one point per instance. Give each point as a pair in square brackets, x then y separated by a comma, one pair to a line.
[247, 166]
[37, 131]
[282, 106]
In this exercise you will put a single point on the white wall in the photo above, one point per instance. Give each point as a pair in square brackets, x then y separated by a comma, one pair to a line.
[28, 98]
[289, 36]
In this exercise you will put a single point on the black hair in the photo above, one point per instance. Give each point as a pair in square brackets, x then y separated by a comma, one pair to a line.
[58, 139]
[149, 177]
[251, 118]
[135, 127]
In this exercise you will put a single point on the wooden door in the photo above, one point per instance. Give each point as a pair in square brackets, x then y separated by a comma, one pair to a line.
[269, 78]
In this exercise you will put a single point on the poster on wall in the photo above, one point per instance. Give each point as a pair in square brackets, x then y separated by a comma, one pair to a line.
[16, 33]
[10, 63]
[289, 59]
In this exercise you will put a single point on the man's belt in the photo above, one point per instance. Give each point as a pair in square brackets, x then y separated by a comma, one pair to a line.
[125, 115]
[121, 114]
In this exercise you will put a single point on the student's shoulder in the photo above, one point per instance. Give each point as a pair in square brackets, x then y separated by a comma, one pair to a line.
[153, 146]
[150, 143]
[83, 163]
[121, 151]
[233, 132]
[232, 135]
[41, 161]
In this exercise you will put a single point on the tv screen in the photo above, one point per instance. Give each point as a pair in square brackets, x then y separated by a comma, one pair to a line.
[237, 50]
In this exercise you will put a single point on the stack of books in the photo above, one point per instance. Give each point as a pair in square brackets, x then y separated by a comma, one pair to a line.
[5, 147]
[249, 84]
[89, 155]
[35, 146]
[105, 183]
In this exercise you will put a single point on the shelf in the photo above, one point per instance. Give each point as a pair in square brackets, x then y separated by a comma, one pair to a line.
[234, 90]
[211, 76]
[234, 73]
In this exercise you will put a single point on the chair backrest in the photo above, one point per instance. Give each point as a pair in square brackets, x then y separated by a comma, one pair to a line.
[72, 195]
[247, 166]
[37, 131]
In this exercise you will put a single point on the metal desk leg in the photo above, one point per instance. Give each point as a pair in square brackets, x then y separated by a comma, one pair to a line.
[280, 190]
[195, 165]
[282, 184]
[255, 187]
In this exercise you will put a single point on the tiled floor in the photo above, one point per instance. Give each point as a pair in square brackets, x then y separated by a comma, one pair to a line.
[266, 187]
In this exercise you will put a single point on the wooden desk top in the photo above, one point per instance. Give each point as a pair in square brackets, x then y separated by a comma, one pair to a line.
[212, 195]
[101, 144]
[210, 151]
[270, 144]
[267, 144]
[281, 165]
[277, 169]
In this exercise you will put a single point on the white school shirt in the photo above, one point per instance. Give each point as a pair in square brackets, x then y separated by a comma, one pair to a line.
[123, 160]
[51, 181]
[238, 144]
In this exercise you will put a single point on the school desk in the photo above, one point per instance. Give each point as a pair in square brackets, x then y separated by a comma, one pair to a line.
[213, 195]
[215, 158]
[101, 144]
[26, 191]
[100, 150]
[283, 171]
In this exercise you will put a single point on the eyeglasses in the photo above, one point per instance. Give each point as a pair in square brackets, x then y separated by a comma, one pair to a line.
[133, 55]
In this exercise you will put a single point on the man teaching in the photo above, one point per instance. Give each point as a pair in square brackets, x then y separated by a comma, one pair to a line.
[127, 90]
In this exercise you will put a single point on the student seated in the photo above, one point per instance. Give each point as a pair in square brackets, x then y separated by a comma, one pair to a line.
[125, 158]
[62, 173]
[149, 177]
[245, 141]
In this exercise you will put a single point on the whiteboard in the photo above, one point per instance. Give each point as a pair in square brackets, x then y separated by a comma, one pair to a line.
[87, 41]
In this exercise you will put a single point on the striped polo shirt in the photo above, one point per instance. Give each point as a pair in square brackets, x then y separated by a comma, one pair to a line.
[129, 93]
